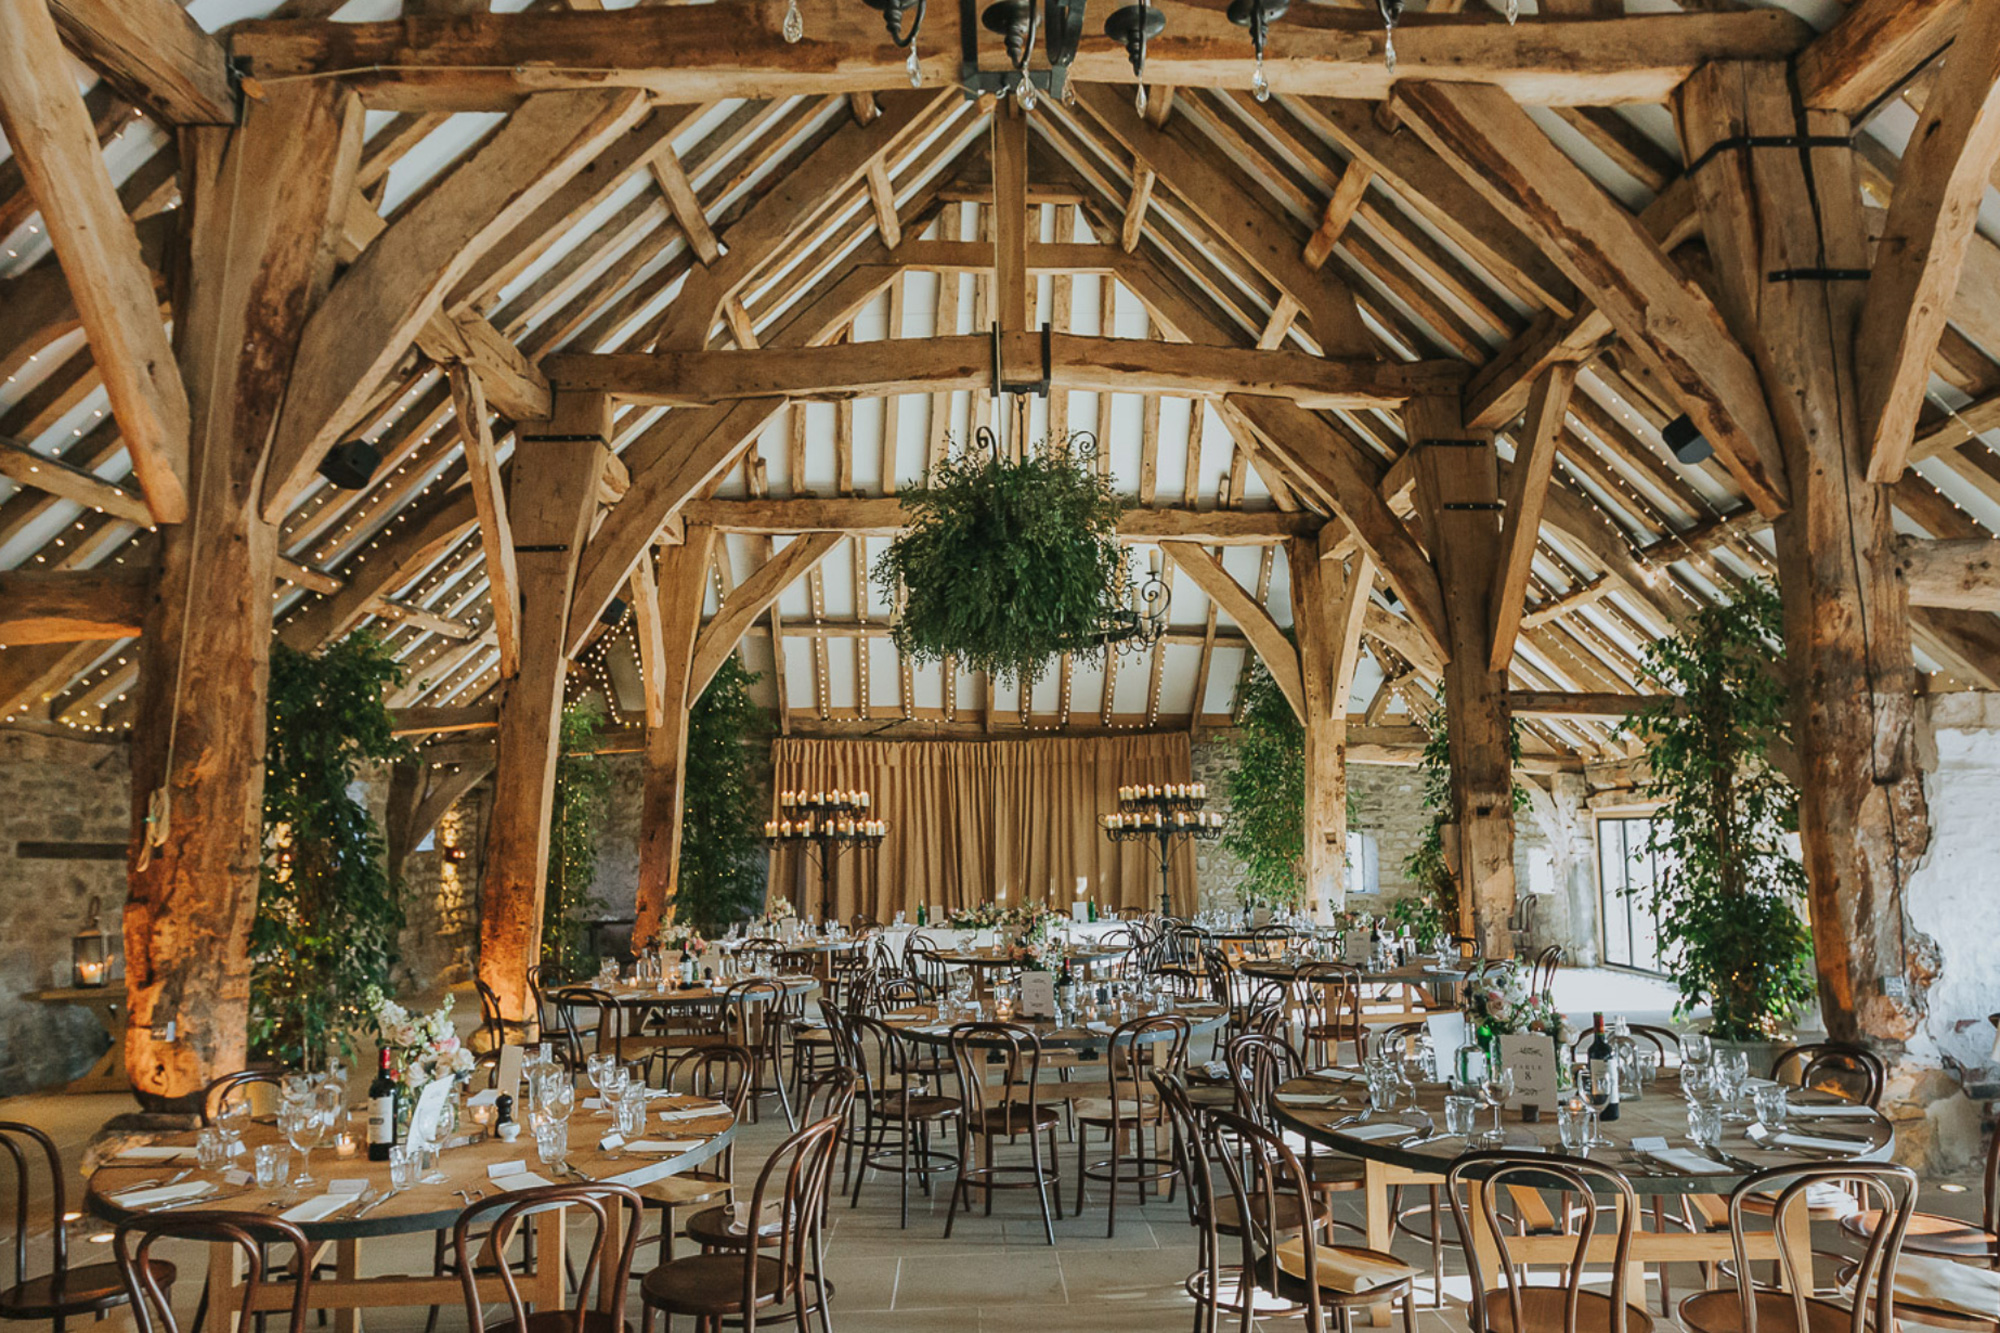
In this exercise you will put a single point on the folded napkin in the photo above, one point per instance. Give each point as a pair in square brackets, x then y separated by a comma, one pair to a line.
[706, 1111]
[739, 1219]
[154, 1153]
[1784, 1138]
[522, 1180]
[1815, 1110]
[1306, 1098]
[908, 1013]
[1943, 1285]
[664, 1145]
[159, 1194]
[1340, 1269]
[1683, 1159]
[1098, 1025]
[1384, 1129]
[318, 1208]
[1339, 1075]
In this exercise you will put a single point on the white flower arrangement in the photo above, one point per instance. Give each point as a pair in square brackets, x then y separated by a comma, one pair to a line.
[680, 938]
[422, 1047]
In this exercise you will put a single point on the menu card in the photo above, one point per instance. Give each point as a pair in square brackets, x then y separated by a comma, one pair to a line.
[1038, 995]
[1532, 1057]
[1447, 1035]
[1356, 948]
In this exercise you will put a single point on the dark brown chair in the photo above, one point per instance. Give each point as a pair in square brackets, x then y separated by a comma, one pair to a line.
[721, 1073]
[755, 1017]
[1588, 1191]
[736, 1284]
[63, 1291]
[492, 1023]
[1939, 1236]
[243, 1082]
[1259, 1064]
[899, 1110]
[1849, 1071]
[252, 1233]
[1282, 1254]
[484, 1232]
[1140, 1051]
[1542, 972]
[1331, 996]
[1750, 1308]
[1007, 1111]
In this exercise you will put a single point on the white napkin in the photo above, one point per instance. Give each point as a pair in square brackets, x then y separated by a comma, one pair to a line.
[908, 1013]
[521, 1180]
[347, 1187]
[1368, 1133]
[1815, 1110]
[317, 1208]
[154, 1153]
[159, 1194]
[1098, 1025]
[664, 1145]
[1681, 1159]
[1943, 1284]
[1307, 1098]
[705, 1110]
[1784, 1138]
[1339, 1075]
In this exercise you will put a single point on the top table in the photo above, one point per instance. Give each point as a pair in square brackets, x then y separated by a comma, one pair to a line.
[1002, 956]
[646, 997]
[921, 1023]
[1414, 973]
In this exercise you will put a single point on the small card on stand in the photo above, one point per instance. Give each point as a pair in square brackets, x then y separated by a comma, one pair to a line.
[1038, 995]
[1356, 948]
[1532, 1057]
[507, 1079]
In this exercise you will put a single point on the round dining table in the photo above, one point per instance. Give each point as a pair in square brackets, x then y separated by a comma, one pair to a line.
[479, 1170]
[1409, 1148]
[702, 995]
[929, 1023]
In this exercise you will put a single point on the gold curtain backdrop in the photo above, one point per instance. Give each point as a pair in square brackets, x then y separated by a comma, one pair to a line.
[968, 819]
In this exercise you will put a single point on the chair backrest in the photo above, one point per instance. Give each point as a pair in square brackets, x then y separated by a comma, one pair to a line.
[791, 1189]
[1015, 1052]
[1141, 1050]
[896, 993]
[720, 1072]
[242, 1083]
[752, 1008]
[1259, 1064]
[542, 978]
[32, 1152]
[252, 1234]
[604, 1029]
[491, 1022]
[1189, 1149]
[594, 1203]
[1266, 1180]
[1542, 975]
[884, 1054]
[1589, 1190]
[1884, 1186]
[1334, 991]
[1993, 1192]
[1218, 974]
[1854, 1072]
[829, 1094]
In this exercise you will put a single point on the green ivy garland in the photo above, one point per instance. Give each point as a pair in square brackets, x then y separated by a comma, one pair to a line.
[582, 802]
[1267, 796]
[1433, 909]
[1727, 893]
[722, 865]
[327, 911]
[1005, 565]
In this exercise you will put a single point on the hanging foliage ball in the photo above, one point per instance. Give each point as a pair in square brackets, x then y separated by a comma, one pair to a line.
[1005, 565]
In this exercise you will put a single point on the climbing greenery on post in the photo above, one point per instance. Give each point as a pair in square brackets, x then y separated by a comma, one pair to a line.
[1004, 565]
[582, 801]
[1267, 797]
[722, 864]
[327, 911]
[1433, 909]
[1728, 887]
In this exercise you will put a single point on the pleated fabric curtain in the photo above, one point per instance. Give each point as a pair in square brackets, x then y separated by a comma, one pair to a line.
[969, 819]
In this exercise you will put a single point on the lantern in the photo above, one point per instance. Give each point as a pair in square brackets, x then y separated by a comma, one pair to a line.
[90, 960]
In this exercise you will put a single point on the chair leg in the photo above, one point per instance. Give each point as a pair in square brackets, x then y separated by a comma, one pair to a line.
[1043, 1181]
[1055, 1179]
[958, 1185]
[1082, 1148]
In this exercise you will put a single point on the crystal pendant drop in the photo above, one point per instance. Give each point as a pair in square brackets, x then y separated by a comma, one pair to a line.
[795, 23]
[1389, 49]
[1260, 87]
[1025, 90]
[1513, 10]
[1139, 100]
[915, 66]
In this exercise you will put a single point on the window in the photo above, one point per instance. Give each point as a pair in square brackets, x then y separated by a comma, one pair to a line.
[1364, 863]
[1631, 935]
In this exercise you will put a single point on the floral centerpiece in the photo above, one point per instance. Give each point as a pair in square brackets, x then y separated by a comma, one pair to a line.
[1500, 1002]
[1040, 946]
[781, 909]
[422, 1047]
[680, 938]
[983, 916]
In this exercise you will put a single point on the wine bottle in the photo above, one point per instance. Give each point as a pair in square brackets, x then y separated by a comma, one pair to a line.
[381, 1112]
[1603, 1071]
[922, 912]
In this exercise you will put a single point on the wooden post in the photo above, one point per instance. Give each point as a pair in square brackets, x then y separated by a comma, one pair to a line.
[1863, 819]
[683, 583]
[1458, 496]
[552, 497]
[1328, 600]
[263, 204]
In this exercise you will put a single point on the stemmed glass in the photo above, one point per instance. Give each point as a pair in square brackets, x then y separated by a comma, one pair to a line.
[1696, 1052]
[1732, 1070]
[595, 1067]
[303, 1123]
[614, 1080]
[230, 1118]
[1497, 1086]
[555, 1096]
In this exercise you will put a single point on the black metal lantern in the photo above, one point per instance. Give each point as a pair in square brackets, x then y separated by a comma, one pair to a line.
[1059, 24]
[1132, 27]
[90, 959]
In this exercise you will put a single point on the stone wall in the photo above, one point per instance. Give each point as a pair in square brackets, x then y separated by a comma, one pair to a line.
[70, 793]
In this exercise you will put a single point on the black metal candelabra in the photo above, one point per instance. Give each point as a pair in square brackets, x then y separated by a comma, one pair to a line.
[1163, 816]
[826, 823]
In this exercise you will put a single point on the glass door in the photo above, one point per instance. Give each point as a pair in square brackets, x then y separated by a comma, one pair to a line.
[1626, 873]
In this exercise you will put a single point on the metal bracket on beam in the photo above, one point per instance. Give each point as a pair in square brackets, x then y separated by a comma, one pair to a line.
[1476, 506]
[1040, 387]
[587, 438]
[1455, 444]
[1819, 275]
[540, 550]
[1737, 141]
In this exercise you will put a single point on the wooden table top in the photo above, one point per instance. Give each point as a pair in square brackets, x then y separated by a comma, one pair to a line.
[423, 1208]
[1420, 972]
[640, 997]
[1001, 955]
[1661, 1112]
[921, 1023]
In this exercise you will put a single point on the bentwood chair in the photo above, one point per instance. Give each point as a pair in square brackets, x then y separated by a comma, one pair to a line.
[1139, 1051]
[1935, 1235]
[754, 1012]
[1331, 996]
[787, 1210]
[1589, 1191]
[720, 1073]
[260, 1086]
[1010, 1110]
[1750, 1308]
[63, 1291]
[251, 1233]
[899, 1112]
[482, 1234]
[1283, 1254]
[1260, 1064]
[1846, 1070]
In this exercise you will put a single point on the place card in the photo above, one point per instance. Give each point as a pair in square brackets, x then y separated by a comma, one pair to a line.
[347, 1187]
[429, 1112]
[1532, 1057]
[507, 1078]
[236, 1175]
[1079, 911]
[501, 1169]
[664, 1145]
[525, 1180]
[1447, 1035]
[318, 1208]
[1038, 995]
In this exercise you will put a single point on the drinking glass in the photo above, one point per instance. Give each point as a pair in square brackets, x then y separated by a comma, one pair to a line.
[1732, 1070]
[230, 1118]
[1704, 1124]
[211, 1149]
[273, 1163]
[1772, 1107]
[552, 1142]
[617, 1078]
[1497, 1086]
[402, 1167]
[632, 1111]
[555, 1096]
[302, 1124]
[1695, 1050]
[295, 1086]
[426, 1155]
[1576, 1125]
[595, 1067]
[1459, 1113]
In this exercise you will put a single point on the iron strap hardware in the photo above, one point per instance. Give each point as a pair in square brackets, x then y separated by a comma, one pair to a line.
[1455, 444]
[591, 438]
[1040, 387]
[1475, 506]
[1819, 275]
[1737, 141]
[540, 550]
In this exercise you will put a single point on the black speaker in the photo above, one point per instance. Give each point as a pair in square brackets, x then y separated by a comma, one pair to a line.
[613, 612]
[1689, 445]
[350, 464]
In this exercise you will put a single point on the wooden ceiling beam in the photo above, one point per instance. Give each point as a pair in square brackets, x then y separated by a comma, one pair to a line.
[489, 498]
[1872, 50]
[884, 516]
[1960, 573]
[72, 606]
[1526, 487]
[155, 54]
[1280, 658]
[489, 61]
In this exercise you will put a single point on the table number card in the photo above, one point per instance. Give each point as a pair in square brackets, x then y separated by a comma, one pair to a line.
[1038, 995]
[507, 1079]
[1356, 948]
[1532, 1057]
[1260, 917]
[425, 1119]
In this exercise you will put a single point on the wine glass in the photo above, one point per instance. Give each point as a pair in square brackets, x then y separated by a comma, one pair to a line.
[230, 1117]
[1732, 1071]
[302, 1123]
[1497, 1086]
[1696, 1051]
[555, 1095]
[595, 1067]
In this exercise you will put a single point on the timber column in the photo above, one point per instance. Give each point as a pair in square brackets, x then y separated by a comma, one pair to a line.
[1458, 496]
[1863, 819]
[1329, 599]
[263, 203]
[552, 497]
[683, 583]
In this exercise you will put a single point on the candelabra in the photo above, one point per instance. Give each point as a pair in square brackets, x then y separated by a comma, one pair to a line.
[1163, 814]
[826, 823]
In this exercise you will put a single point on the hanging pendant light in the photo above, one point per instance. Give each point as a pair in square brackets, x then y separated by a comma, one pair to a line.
[1257, 16]
[892, 12]
[795, 24]
[1391, 11]
[1132, 27]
